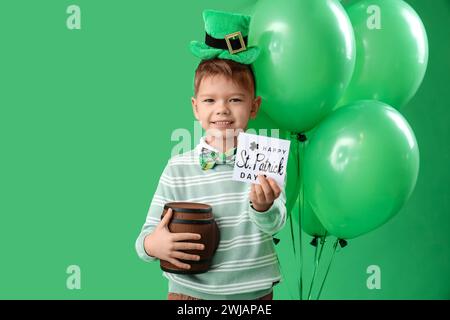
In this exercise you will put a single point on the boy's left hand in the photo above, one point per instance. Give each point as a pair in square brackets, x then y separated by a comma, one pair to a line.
[263, 195]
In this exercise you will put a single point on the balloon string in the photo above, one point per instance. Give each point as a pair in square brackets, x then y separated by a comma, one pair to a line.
[291, 213]
[328, 269]
[315, 251]
[291, 224]
[300, 287]
[293, 241]
[314, 272]
[322, 244]
[316, 263]
[300, 163]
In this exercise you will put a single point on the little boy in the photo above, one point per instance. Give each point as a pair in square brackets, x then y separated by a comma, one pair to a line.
[245, 265]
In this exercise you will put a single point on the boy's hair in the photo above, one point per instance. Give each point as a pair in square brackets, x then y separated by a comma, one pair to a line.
[240, 74]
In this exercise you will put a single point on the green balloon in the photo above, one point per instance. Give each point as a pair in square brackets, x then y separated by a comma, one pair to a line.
[263, 125]
[391, 52]
[306, 61]
[292, 175]
[361, 166]
[309, 221]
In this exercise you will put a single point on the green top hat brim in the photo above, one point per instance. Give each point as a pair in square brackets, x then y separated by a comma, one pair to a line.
[205, 52]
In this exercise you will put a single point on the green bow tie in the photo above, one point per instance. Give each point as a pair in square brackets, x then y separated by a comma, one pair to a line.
[209, 158]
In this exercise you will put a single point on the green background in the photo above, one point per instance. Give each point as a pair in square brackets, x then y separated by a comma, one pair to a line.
[86, 118]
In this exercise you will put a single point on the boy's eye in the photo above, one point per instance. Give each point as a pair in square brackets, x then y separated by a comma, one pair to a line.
[235, 100]
[208, 100]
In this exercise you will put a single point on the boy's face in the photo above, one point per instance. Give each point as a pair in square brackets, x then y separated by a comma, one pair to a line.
[223, 107]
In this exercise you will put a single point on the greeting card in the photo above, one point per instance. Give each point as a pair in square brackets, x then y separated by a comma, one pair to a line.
[257, 155]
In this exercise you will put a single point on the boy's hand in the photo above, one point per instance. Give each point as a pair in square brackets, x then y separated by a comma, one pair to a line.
[165, 245]
[263, 195]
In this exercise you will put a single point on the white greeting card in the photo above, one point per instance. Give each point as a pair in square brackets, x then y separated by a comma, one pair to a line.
[261, 155]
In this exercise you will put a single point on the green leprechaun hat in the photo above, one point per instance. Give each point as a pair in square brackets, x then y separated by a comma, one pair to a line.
[226, 38]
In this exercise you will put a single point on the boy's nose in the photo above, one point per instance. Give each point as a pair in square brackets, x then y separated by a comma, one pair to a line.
[223, 111]
[222, 108]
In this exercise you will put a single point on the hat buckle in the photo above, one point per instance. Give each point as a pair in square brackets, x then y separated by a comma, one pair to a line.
[232, 36]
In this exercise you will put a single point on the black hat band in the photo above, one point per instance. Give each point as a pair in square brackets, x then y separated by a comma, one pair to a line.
[222, 43]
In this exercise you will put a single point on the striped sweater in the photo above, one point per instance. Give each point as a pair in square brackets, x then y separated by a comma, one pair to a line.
[245, 265]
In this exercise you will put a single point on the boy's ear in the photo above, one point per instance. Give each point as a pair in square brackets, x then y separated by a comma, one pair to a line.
[255, 107]
[194, 107]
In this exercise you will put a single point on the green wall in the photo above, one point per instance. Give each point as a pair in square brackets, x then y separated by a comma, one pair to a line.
[86, 118]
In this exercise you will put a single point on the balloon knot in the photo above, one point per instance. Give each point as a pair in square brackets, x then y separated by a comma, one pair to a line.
[343, 243]
[301, 137]
[314, 242]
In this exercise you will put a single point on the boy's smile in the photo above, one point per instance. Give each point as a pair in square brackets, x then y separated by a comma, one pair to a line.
[224, 109]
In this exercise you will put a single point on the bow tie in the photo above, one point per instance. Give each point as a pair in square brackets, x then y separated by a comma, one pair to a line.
[209, 158]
